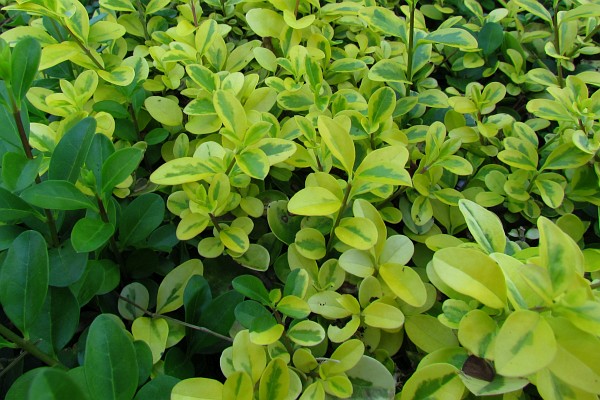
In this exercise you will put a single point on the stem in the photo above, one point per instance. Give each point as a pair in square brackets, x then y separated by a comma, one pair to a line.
[286, 340]
[214, 221]
[193, 7]
[585, 39]
[532, 181]
[561, 81]
[84, 48]
[175, 320]
[142, 18]
[136, 125]
[30, 348]
[394, 196]
[595, 285]
[296, 13]
[411, 38]
[548, 143]
[112, 242]
[14, 362]
[28, 152]
[339, 216]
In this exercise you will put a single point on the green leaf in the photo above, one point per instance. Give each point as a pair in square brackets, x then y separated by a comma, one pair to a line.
[371, 380]
[477, 332]
[118, 166]
[57, 195]
[275, 381]
[405, 283]
[387, 71]
[265, 22]
[157, 388]
[525, 344]
[238, 386]
[385, 165]
[71, 152]
[154, 332]
[66, 265]
[294, 306]
[76, 19]
[490, 37]
[360, 233]
[142, 216]
[581, 11]
[203, 77]
[535, 8]
[197, 389]
[25, 60]
[345, 357]
[310, 243]
[89, 234]
[484, 225]
[171, 289]
[111, 369]
[235, 239]
[205, 35]
[156, 5]
[452, 37]
[552, 192]
[24, 280]
[566, 156]
[435, 381]
[52, 383]
[12, 207]
[136, 293]
[252, 287]
[164, 110]
[428, 333]
[384, 20]
[472, 273]
[283, 224]
[314, 201]
[306, 333]
[381, 105]
[231, 112]
[384, 316]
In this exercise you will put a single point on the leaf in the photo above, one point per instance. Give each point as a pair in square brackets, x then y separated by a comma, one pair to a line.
[566, 156]
[552, 192]
[12, 207]
[477, 332]
[490, 37]
[66, 265]
[156, 5]
[357, 232]
[314, 201]
[197, 389]
[25, 60]
[311, 243]
[142, 216]
[435, 381]
[90, 234]
[123, 75]
[472, 273]
[384, 20]
[384, 316]
[110, 364]
[52, 383]
[254, 163]
[181, 170]
[283, 224]
[275, 381]
[153, 331]
[452, 37]
[235, 239]
[371, 380]
[157, 388]
[381, 105]
[252, 288]
[118, 166]
[57, 195]
[164, 110]
[338, 141]
[405, 283]
[170, 291]
[238, 386]
[306, 333]
[428, 333]
[385, 165]
[484, 225]
[535, 8]
[345, 357]
[387, 71]
[231, 112]
[76, 19]
[71, 152]
[24, 280]
[525, 344]
[265, 22]
[137, 294]
[205, 35]
[294, 306]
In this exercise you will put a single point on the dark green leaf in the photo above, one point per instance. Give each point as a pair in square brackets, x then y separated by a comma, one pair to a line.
[118, 166]
[251, 287]
[88, 285]
[57, 195]
[12, 207]
[110, 364]
[66, 265]
[158, 388]
[52, 383]
[24, 65]
[24, 279]
[140, 218]
[18, 171]
[144, 360]
[101, 148]
[196, 298]
[490, 37]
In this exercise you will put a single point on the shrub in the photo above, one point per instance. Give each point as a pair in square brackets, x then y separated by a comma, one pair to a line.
[279, 200]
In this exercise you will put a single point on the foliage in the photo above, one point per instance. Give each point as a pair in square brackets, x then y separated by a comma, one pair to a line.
[299, 199]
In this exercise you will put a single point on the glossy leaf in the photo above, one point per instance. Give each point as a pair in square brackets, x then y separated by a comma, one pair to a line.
[170, 291]
[197, 389]
[306, 333]
[118, 166]
[434, 381]
[71, 152]
[314, 201]
[142, 216]
[24, 66]
[153, 331]
[57, 195]
[89, 234]
[404, 282]
[357, 232]
[484, 225]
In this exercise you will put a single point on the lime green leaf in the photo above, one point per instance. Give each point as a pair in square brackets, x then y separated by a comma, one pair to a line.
[253, 162]
[535, 8]
[156, 5]
[110, 365]
[484, 225]
[235, 239]
[77, 21]
[387, 71]
[152, 331]
[385, 165]
[428, 333]
[473, 273]
[476, 333]
[357, 232]
[293, 306]
[265, 330]
[345, 357]
[238, 386]
[384, 20]
[357, 262]
[338, 386]
[566, 156]
[314, 201]
[338, 141]
[381, 105]
[311, 243]
[265, 22]
[136, 293]
[306, 333]
[552, 192]
[381, 315]
[117, 5]
[435, 381]
[170, 291]
[122, 75]
[164, 110]
[198, 389]
[205, 78]
[181, 170]
[404, 282]
[205, 35]
[24, 279]
[525, 344]
[231, 112]
[453, 37]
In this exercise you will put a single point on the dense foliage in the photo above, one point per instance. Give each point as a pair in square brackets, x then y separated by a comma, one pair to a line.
[282, 199]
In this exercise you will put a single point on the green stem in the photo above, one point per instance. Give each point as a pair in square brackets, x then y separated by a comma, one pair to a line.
[548, 143]
[30, 348]
[296, 8]
[193, 8]
[532, 181]
[112, 242]
[29, 153]
[84, 48]
[561, 81]
[393, 197]
[175, 320]
[411, 38]
[585, 39]
[214, 221]
[142, 17]
[339, 216]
